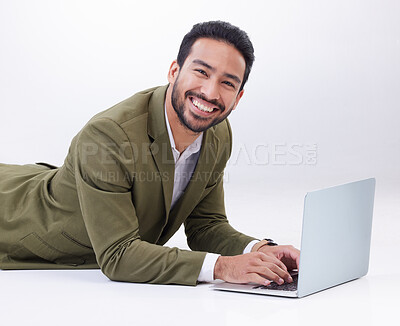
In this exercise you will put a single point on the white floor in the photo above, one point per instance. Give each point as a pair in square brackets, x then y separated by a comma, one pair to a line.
[88, 297]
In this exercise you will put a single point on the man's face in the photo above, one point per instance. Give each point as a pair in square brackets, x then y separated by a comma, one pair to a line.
[206, 88]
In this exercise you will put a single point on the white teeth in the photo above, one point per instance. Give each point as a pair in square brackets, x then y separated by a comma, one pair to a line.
[202, 107]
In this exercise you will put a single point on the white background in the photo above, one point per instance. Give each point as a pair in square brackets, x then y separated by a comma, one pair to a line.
[327, 73]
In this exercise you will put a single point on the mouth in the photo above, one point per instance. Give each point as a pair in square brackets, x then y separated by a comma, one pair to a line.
[202, 107]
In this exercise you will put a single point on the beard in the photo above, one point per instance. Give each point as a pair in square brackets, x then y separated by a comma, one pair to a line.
[190, 120]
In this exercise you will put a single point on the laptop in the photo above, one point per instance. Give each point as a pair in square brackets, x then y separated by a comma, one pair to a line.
[335, 242]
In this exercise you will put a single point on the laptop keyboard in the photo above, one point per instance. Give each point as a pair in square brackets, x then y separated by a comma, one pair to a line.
[284, 287]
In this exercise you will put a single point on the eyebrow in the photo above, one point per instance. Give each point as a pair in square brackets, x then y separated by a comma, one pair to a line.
[205, 64]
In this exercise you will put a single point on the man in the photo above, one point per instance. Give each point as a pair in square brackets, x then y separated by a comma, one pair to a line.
[136, 172]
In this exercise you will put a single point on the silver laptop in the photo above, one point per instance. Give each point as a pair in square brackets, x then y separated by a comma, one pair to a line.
[335, 241]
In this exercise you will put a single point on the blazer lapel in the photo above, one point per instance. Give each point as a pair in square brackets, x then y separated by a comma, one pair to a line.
[196, 186]
[160, 146]
[161, 151]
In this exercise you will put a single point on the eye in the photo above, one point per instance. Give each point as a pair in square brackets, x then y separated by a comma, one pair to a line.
[229, 84]
[201, 71]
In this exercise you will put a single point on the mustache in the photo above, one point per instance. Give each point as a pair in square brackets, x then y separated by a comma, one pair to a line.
[202, 97]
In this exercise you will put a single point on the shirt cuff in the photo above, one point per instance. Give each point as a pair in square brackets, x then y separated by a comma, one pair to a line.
[207, 270]
[250, 246]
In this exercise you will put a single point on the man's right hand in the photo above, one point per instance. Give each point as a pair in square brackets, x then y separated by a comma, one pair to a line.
[254, 267]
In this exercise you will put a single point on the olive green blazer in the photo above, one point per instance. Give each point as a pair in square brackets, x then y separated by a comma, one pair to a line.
[109, 204]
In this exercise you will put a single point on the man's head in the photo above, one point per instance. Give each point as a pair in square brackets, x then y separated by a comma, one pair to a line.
[213, 64]
[219, 31]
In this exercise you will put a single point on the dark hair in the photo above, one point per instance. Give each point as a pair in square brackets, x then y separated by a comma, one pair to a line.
[220, 31]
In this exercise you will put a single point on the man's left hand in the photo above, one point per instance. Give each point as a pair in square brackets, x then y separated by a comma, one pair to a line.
[288, 255]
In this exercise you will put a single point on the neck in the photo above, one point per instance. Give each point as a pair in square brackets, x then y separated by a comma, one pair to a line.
[183, 136]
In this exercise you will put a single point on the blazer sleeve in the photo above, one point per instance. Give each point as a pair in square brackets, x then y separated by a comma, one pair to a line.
[103, 165]
[207, 228]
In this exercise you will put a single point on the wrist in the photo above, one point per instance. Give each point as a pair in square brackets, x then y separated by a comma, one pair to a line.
[219, 268]
[262, 243]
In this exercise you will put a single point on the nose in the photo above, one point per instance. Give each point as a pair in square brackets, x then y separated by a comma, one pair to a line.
[210, 89]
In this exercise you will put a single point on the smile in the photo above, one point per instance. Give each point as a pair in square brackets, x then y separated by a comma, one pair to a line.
[201, 106]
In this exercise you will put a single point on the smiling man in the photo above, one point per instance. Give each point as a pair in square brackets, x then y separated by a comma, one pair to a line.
[138, 171]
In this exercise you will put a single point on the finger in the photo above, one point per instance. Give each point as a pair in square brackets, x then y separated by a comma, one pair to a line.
[273, 259]
[273, 273]
[283, 274]
[290, 263]
[256, 278]
[295, 255]
[290, 256]
[292, 252]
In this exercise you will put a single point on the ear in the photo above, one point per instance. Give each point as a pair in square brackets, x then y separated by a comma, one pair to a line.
[238, 97]
[173, 72]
